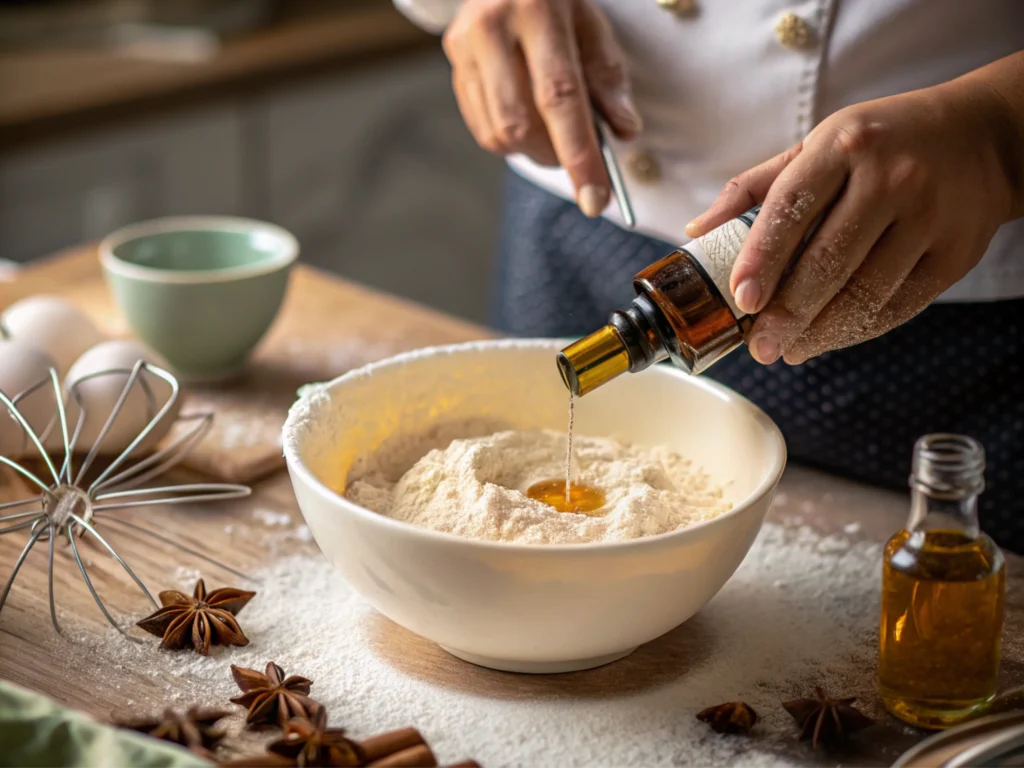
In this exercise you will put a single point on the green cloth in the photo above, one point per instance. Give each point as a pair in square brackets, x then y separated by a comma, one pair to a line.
[35, 731]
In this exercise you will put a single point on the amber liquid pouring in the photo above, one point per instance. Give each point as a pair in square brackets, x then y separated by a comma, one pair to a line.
[942, 618]
[568, 454]
[565, 495]
[581, 499]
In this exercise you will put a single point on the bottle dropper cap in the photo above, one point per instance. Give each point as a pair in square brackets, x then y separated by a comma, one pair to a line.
[593, 360]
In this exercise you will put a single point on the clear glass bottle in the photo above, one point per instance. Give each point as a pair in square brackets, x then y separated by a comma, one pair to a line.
[943, 590]
[683, 311]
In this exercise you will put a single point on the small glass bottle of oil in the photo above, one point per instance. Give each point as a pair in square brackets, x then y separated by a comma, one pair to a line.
[683, 312]
[943, 588]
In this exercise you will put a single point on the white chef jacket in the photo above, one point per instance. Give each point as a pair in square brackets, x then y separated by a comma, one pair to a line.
[725, 87]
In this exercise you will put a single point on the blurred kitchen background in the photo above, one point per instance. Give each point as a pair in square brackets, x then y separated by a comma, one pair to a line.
[333, 119]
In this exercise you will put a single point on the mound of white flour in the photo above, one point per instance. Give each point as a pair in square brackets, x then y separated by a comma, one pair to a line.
[476, 487]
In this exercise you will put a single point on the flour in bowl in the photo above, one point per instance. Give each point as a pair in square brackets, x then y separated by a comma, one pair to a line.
[476, 487]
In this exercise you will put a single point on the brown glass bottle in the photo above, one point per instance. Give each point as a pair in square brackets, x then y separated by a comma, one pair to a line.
[943, 589]
[683, 311]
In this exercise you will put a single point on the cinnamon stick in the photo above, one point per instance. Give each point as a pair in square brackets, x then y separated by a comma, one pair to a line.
[419, 756]
[376, 747]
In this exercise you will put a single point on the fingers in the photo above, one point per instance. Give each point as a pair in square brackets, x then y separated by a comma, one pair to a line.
[467, 83]
[492, 86]
[524, 76]
[469, 93]
[560, 93]
[923, 286]
[741, 193]
[537, 145]
[835, 252]
[604, 68]
[511, 113]
[802, 192]
[868, 300]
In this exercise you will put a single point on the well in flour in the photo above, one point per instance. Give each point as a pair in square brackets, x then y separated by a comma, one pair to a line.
[572, 498]
[568, 496]
[477, 487]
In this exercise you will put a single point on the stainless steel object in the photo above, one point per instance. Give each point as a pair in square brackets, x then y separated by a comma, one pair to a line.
[992, 740]
[71, 506]
[611, 165]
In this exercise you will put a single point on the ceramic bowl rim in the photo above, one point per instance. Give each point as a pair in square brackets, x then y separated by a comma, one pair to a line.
[296, 466]
[235, 224]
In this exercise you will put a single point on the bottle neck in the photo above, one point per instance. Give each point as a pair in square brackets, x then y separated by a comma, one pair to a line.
[633, 340]
[931, 514]
[946, 478]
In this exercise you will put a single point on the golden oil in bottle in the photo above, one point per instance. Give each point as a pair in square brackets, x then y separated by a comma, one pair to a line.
[943, 588]
[683, 312]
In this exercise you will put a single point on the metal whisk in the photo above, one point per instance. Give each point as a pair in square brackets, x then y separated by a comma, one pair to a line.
[67, 507]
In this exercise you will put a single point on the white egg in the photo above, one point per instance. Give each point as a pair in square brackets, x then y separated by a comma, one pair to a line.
[54, 325]
[21, 367]
[100, 394]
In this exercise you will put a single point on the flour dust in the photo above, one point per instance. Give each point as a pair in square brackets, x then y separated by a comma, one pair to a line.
[801, 611]
[479, 487]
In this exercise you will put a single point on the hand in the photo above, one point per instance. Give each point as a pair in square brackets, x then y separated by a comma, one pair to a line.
[910, 188]
[525, 73]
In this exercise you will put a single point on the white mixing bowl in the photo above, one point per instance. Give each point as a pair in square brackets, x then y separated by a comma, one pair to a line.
[517, 607]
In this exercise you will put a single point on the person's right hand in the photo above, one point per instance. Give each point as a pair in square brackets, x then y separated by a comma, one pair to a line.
[525, 73]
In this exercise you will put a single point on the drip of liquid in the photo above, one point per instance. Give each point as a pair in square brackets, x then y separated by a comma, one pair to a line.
[577, 497]
[567, 496]
[568, 455]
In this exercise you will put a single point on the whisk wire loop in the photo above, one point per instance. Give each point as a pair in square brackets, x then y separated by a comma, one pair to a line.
[70, 510]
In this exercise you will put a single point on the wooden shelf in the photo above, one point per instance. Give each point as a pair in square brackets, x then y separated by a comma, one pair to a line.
[48, 91]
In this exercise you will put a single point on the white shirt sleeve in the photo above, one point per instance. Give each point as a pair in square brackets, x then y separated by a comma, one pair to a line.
[431, 15]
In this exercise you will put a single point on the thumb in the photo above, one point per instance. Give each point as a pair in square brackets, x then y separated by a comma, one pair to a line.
[604, 68]
[741, 193]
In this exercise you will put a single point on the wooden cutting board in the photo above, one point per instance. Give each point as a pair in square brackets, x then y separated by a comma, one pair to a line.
[326, 327]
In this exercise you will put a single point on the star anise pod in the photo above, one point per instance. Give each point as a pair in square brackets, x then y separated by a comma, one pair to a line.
[732, 717]
[198, 621]
[272, 697]
[307, 743]
[310, 743]
[192, 729]
[826, 721]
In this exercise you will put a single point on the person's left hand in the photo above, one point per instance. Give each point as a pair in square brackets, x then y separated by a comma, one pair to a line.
[910, 188]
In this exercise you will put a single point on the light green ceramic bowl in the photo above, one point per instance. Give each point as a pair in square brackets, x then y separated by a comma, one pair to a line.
[201, 291]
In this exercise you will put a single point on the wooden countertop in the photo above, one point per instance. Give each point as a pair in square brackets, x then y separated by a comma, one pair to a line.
[43, 91]
[321, 306]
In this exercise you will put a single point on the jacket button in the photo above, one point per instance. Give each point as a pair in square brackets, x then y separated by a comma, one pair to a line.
[679, 7]
[794, 32]
[643, 166]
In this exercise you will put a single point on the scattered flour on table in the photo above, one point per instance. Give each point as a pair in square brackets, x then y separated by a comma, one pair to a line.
[801, 611]
[476, 487]
[249, 430]
[270, 517]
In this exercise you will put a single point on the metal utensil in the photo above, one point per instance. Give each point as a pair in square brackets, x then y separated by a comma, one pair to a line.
[989, 740]
[611, 165]
[70, 505]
